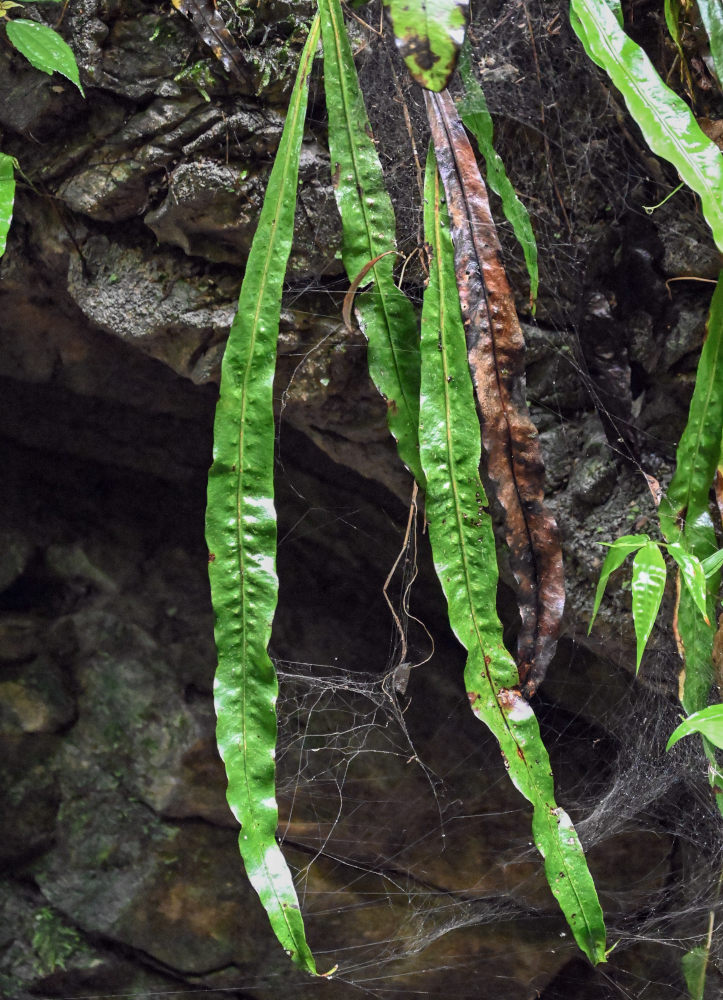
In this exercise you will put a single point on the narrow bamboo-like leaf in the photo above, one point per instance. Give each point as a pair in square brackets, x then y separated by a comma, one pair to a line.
[241, 536]
[7, 197]
[694, 964]
[708, 722]
[713, 563]
[647, 586]
[711, 13]
[620, 549]
[476, 117]
[44, 48]
[429, 34]
[463, 547]
[385, 314]
[691, 571]
[667, 123]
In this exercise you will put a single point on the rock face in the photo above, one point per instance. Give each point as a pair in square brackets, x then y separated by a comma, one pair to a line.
[120, 867]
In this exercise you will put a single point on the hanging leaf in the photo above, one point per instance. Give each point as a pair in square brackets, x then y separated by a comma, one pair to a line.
[463, 548]
[7, 197]
[476, 117]
[496, 349]
[241, 535]
[647, 586]
[711, 14]
[212, 31]
[708, 722]
[385, 314]
[666, 121]
[620, 549]
[693, 576]
[429, 34]
[44, 48]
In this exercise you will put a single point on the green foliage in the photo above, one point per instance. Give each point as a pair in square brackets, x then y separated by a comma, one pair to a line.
[708, 722]
[711, 13]
[476, 117]
[694, 965]
[7, 196]
[385, 314]
[44, 48]
[463, 547]
[429, 34]
[241, 535]
[647, 586]
[53, 941]
[648, 583]
[667, 123]
[684, 511]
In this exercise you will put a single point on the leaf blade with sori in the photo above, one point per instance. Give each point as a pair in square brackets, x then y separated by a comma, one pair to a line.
[667, 123]
[241, 535]
[496, 348]
[44, 49]
[385, 314]
[7, 197]
[463, 548]
[476, 117]
[428, 35]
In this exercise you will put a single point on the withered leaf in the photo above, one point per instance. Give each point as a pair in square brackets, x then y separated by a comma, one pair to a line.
[210, 27]
[496, 349]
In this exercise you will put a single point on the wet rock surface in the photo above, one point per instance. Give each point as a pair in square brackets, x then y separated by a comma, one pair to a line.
[120, 864]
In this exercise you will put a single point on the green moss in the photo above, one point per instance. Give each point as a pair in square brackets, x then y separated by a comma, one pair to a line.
[53, 941]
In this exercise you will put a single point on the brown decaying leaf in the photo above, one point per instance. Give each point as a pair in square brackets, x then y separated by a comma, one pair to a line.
[209, 24]
[496, 348]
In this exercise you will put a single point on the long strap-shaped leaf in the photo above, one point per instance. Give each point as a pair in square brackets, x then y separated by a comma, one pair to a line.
[496, 349]
[241, 536]
[464, 555]
[386, 316]
[429, 34]
[476, 117]
[7, 197]
[665, 120]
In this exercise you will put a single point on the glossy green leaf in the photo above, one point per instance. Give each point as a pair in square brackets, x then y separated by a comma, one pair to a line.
[620, 549]
[713, 563]
[44, 48]
[691, 571]
[476, 117]
[708, 722]
[241, 536]
[711, 14]
[666, 121]
[695, 963]
[386, 316]
[463, 548]
[429, 34]
[647, 586]
[7, 197]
